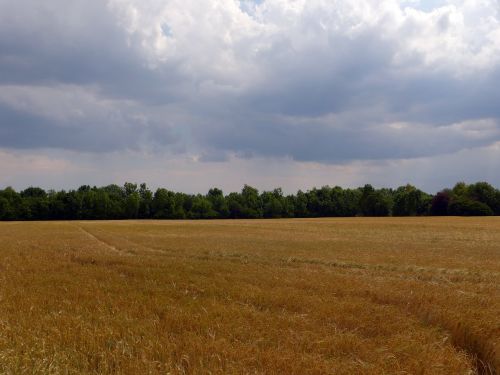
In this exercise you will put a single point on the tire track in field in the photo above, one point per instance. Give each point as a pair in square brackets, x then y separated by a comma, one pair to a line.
[102, 242]
[116, 249]
[146, 249]
[480, 349]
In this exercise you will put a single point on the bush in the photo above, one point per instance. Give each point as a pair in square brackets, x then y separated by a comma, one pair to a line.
[439, 204]
[468, 207]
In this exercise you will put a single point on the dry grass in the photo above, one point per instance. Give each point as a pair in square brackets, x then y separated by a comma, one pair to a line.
[334, 296]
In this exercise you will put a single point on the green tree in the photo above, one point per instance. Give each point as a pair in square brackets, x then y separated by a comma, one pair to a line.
[463, 206]
[4, 209]
[163, 204]
[485, 193]
[375, 203]
[102, 204]
[252, 205]
[146, 202]
[132, 204]
[235, 205]
[129, 188]
[410, 201]
[33, 192]
[201, 208]
[300, 203]
[273, 204]
[218, 201]
[460, 189]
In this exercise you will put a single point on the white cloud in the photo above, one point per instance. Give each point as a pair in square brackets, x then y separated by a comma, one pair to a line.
[218, 37]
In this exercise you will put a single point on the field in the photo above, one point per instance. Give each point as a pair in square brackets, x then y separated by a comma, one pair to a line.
[330, 296]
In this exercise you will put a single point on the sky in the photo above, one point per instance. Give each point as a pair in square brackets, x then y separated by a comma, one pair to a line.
[191, 94]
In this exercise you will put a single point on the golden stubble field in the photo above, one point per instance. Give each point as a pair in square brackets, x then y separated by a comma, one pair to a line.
[330, 296]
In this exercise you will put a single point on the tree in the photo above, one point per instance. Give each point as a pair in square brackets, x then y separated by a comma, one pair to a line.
[439, 204]
[460, 189]
[273, 204]
[235, 205]
[132, 204]
[300, 203]
[163, 206]
[146, 202]
[375, 203]
[102, 204]
[129, 188]
[351, 202]
[5, 213]
[87, 200]
[497, 203]
[33, 192]
[12, 209]
[218, 201]
[485, 193]
[252, 205]
[463, 206]
[84, 189]
[116, 208]
[202, 208]
[410, 201]
[57, 205]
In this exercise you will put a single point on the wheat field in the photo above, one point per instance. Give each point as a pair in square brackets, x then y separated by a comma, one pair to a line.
[319, 296]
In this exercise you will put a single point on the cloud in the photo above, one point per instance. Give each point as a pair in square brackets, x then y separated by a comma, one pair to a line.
[68, 170]
[331, 82]
[76, 118]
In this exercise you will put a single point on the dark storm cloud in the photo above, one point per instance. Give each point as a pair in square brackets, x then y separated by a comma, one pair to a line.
[340, 141]
[335, 111]
[436, 98]
[325, 78]
[352, 75]
[22, 130]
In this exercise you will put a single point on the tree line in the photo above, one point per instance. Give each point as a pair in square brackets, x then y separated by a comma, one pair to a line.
[132, 201]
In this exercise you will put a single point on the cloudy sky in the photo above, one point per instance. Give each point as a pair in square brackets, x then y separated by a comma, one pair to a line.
[190, 94]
